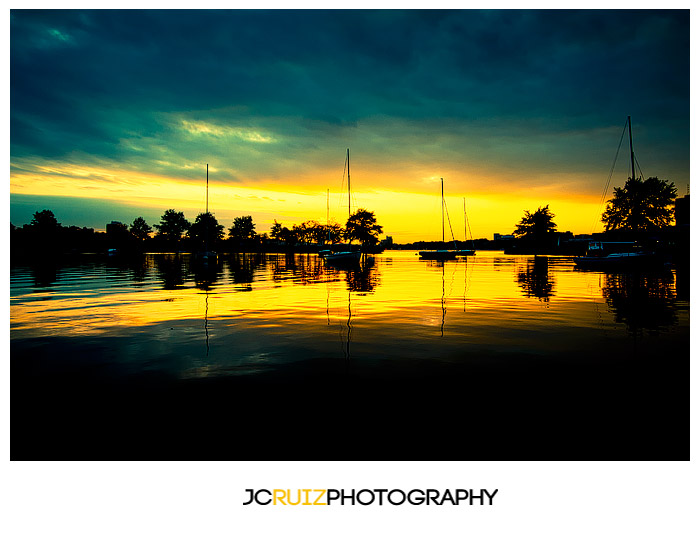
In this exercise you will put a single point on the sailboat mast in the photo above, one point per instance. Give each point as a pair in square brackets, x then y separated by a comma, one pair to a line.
[349, 183]
[465, 218]
[206, 225]
[442, 208]
[328, 213]
[629, 121]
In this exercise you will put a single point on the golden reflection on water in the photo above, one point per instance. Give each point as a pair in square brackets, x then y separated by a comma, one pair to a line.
[489, 290]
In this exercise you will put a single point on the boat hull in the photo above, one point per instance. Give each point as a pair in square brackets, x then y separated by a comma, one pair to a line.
[438, 255]
[343, 257]
[617, 261]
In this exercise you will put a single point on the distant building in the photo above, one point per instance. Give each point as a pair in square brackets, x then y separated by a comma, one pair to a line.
[682, 211]
[499, 236]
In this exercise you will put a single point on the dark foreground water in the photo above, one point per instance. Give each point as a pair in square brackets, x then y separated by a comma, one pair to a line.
[280, 357]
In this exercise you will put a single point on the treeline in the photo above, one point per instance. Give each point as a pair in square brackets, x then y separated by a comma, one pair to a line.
[174, 232]
[644, 210]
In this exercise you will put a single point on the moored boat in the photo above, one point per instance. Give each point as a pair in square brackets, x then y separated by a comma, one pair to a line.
[616, 255]
[342, 257]
[206, 257]
[440, 254]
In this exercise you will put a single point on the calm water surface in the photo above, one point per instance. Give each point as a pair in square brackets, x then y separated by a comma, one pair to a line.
[601, 343]
[254, 310]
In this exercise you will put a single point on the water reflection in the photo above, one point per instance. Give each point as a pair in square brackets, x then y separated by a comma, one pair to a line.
[243, 266]
[205, 275]
[139, 268]
[468, 272]
[683, 283]
[290, 293]
[442, 303]
[171, 269]
[504, 262]
[447, 284]
[301, 269]
[642, 301]
[346, 348]
[194, 347]
[361, 278]
[206, 320]
[45, 274]
[534, 279]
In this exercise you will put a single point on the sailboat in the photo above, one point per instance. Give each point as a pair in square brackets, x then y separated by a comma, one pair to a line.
[466, 252]
[343, 257]
[440, 254]
[324, 252]
[206, 257]
[617, 255]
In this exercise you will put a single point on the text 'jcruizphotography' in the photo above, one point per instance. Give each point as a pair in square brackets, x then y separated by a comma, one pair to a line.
[367, 497]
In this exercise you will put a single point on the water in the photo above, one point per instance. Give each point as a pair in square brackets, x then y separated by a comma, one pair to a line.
[530, 330]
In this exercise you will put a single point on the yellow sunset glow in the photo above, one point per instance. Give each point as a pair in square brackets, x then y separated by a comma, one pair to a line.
[407, 216]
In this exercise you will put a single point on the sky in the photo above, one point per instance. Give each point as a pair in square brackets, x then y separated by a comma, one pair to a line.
[115, 114]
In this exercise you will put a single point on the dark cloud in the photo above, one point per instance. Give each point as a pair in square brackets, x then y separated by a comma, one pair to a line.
[86, 81]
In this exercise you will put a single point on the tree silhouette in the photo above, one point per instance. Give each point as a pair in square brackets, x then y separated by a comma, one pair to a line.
[333, 232]
[288, 236]
[537, 225]
[362, 226]
[45, 231]
[44, 222]
[172, 225]
[310, 231]
[117, 228]
[206, 230]
[276, 231]
[641, 205]
[140, 229]
[117, 234]
[243, 228]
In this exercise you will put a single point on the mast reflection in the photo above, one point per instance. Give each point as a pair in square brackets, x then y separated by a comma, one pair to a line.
[442, 302]
[363, 277]
[206, 275]
[206, 319]
[439, 265]
[346, 349]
